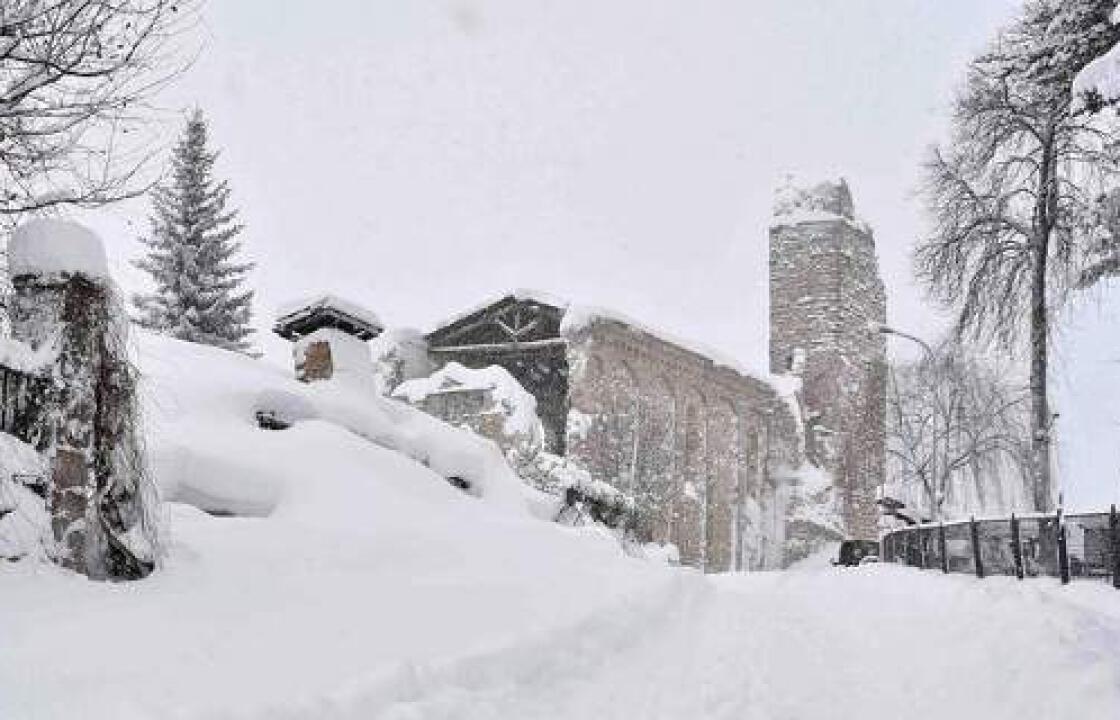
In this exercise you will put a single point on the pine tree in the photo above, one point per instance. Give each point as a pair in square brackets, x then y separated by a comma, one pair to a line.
[200, 293]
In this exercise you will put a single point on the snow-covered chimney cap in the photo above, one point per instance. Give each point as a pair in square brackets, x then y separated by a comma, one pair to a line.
[303, 317]
[52, 247]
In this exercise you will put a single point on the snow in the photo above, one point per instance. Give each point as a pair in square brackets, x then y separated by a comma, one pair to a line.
[351, 361]
[787, 386]
[364, 585]
[1102, 75]
[289, 311]
[208, 451]
[399, 354]
[579, 317]
[358, 568]
[49, 246]
[20, 356]
[518, 405]
[559, 474]
[24, 523]
[797, 202]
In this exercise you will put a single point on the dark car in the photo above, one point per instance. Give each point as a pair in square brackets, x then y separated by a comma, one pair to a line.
[856, 552]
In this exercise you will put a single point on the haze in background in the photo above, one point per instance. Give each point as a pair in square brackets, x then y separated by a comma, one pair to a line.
[419, 157]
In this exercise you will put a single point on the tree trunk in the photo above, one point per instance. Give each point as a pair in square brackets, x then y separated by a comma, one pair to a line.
[1040, 332]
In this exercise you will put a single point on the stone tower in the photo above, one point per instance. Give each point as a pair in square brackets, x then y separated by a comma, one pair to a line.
[825, 298]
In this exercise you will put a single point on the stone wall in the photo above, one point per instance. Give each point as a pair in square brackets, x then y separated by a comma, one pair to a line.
[825, 292]
[696, 444]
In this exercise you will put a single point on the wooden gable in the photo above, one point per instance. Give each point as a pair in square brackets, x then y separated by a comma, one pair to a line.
[510, 321]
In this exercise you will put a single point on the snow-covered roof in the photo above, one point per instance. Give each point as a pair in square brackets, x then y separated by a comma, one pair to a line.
[577, 317]
[296, 319]
[49, 246]
[519, 294]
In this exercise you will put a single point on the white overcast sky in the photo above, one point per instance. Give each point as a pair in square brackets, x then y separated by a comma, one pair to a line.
[421, 156]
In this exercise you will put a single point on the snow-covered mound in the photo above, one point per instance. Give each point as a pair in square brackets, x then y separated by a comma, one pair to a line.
[208, 450]
[518, 406]
[359, 565]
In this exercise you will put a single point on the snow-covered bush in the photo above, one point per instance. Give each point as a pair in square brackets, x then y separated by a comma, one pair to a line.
[25, 526]
[399, 354]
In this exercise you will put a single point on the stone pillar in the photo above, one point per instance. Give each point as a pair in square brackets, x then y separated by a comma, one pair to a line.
[68, 312]
[81, 417]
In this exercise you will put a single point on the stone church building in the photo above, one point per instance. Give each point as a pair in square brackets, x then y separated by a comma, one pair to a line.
[724, 463]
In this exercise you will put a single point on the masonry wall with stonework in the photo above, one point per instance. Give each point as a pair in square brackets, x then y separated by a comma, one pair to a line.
[825, 296]
[708, 453]
[699, 446]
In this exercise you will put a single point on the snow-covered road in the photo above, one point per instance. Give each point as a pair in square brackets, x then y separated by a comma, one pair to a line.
[883, 642]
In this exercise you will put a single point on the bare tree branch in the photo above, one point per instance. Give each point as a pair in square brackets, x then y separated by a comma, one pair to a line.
[75, 76]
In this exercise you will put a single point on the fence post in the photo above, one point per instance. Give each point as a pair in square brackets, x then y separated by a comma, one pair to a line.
[975, 533]
[1063, 554]
[944, 547]
[1114, 526]
[1016, 547]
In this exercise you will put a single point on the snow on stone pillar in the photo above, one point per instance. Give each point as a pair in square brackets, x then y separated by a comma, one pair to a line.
[330, 339]
[83, 420]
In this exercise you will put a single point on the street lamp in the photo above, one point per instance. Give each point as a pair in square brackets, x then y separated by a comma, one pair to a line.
[882, 329]
[887, 330]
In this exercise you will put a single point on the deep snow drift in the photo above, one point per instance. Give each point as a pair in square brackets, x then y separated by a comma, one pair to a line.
[355, 582]
[351, 564]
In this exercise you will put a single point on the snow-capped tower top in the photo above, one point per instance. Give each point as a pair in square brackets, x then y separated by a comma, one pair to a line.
[795, 202]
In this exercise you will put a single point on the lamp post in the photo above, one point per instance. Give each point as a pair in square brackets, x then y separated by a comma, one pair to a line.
[882, 329]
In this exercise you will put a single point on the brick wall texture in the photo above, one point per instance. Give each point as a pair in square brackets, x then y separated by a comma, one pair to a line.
[825, 297]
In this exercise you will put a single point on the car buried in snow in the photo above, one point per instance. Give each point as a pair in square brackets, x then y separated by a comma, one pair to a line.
[857, 552]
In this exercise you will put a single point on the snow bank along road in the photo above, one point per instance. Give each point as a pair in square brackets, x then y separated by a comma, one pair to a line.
[356, 583]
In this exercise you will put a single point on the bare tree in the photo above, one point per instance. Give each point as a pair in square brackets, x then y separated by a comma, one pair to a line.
[957, 430]
[1017, 195]
[74, 79]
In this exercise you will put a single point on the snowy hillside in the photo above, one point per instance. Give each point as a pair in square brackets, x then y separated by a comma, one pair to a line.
[357, 565]
[354, 582]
